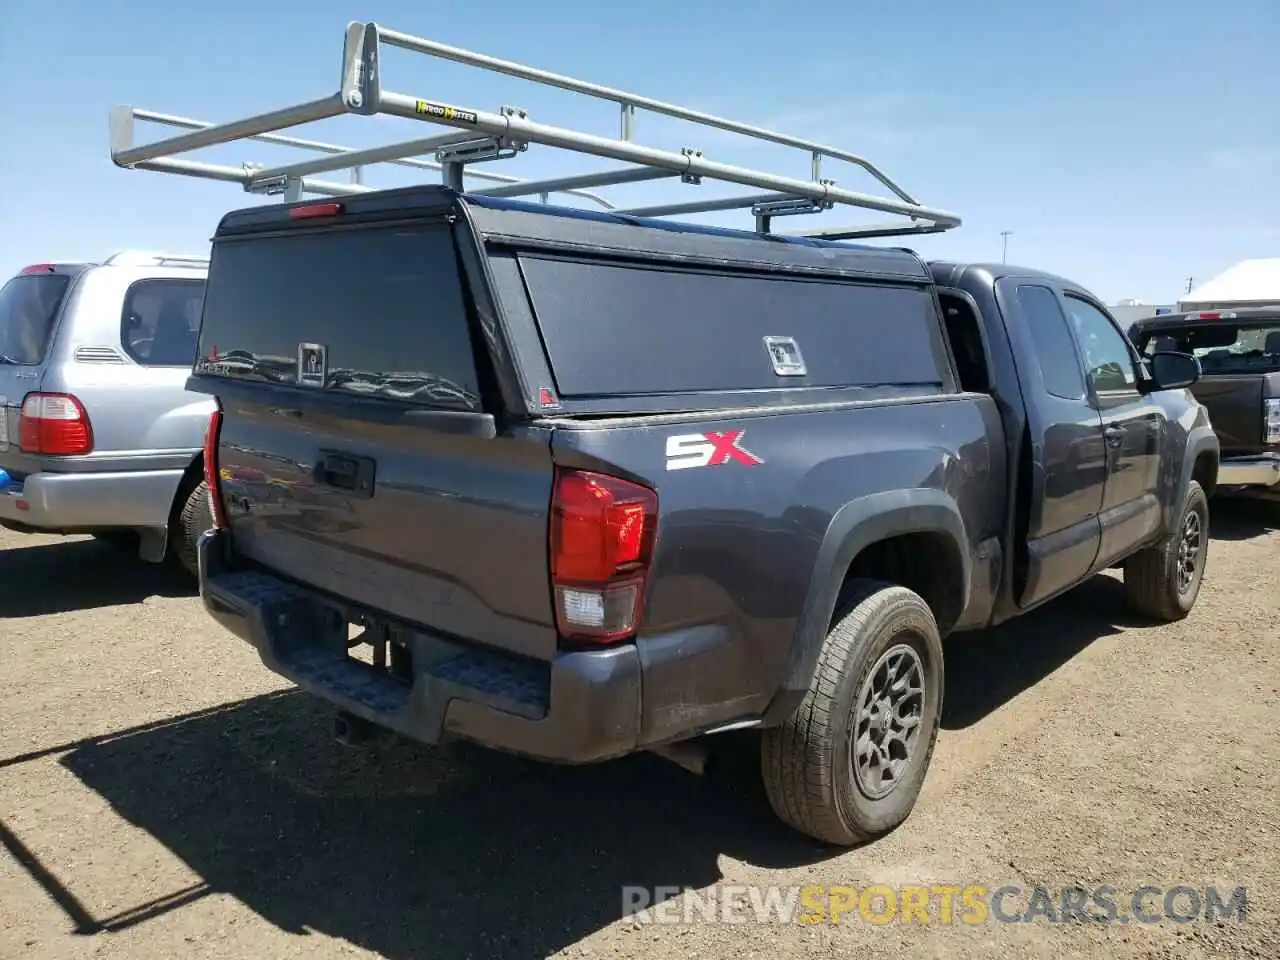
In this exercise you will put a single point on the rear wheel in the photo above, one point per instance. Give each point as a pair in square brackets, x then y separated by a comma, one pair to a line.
[848, 765]
[194, 517]
[1162, 582]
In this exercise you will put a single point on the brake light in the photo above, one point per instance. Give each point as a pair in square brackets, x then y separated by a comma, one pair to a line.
[1216, 315]
[212, 478]
[1271, 422]
[602, 535]
[312, 210]
[54, 424]
[38, 268]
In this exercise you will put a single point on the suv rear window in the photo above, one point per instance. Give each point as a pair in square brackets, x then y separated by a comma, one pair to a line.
[706, 331]
[1222, 347]
[28, 305]
[377, 312]
[161, 320]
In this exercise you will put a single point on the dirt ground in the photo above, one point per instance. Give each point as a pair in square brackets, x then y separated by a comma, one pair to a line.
[162, 795]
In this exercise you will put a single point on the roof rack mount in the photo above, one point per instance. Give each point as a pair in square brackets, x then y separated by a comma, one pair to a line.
[472, 136]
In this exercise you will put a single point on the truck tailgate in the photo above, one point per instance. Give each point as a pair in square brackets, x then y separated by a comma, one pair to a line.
[1235, 408]
[450, 535]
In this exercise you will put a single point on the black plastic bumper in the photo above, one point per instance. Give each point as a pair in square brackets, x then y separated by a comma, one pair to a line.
[578, 708]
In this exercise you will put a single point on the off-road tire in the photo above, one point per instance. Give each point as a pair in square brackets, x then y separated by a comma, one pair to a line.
[1151, 578]
[805, 761]
[193, 518]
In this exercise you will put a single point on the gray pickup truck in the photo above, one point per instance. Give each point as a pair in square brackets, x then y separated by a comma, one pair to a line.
[1239, 354]
[574, 485]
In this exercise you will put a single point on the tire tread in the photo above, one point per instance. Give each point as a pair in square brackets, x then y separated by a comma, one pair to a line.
[193, 520]
[797, 755]
[1148, 574]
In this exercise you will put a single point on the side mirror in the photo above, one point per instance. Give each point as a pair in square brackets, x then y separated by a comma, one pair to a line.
[1172, 371]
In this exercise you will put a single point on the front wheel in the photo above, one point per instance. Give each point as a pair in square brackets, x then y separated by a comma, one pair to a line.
[848, 765]
[1163, 582]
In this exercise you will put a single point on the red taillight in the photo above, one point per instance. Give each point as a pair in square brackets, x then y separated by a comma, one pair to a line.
[602, 534]
[311, 210]
[38, 268]
[54, 424]
[211, 476]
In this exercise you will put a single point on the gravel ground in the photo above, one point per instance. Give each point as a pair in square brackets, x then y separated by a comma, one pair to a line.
[162, 795]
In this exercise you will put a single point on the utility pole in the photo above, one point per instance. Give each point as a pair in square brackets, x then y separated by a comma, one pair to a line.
[1004, 245]
[1190, 282]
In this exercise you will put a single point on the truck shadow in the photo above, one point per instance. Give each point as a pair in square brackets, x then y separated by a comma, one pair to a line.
[452, 852]
[986, 669]
[1238, 518]
[80, 574]
[411, 852]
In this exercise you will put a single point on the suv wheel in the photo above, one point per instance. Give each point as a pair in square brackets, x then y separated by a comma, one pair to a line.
[848, 765]
[194, 518]
[1162, 582]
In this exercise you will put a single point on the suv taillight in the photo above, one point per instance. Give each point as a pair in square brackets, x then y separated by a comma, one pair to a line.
[1271, 421]
[211, 475]
[54, 424]
[602, 535]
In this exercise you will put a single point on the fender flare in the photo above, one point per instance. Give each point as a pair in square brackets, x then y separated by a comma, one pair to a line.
[856, 526]
[1200, 439]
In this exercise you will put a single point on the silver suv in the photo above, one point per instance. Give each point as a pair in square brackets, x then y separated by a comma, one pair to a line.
[98, 434]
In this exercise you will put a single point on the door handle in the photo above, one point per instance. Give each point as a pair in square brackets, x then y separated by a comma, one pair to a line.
[1114, 435]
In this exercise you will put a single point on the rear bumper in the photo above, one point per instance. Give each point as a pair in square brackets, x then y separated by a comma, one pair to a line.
[1258, 471]
[580, 707]
[74, 502]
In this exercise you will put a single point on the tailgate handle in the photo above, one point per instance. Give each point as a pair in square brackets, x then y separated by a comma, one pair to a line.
[346, 472]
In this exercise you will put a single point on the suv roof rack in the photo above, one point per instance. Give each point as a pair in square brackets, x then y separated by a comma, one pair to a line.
[145, 258]
[475, 136]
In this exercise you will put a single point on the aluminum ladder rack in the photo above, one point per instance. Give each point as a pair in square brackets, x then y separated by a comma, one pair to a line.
[471, 136]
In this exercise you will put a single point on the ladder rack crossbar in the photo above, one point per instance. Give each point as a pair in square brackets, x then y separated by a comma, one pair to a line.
[244, 177]
[321, 146]
[472, 136]
[121, 123]
[360, 158]
[322, 109]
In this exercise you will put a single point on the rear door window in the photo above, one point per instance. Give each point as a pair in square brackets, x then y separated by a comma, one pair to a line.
[28, 306]
[377, 312]
[161, 321]
[701, 331]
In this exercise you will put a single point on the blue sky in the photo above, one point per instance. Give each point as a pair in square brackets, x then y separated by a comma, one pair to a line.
[1126, 145]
